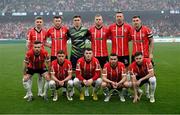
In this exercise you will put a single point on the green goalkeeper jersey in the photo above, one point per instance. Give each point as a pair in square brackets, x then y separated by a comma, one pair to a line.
[78, 38]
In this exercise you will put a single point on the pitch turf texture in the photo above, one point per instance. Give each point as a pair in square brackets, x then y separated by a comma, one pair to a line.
[167, 60]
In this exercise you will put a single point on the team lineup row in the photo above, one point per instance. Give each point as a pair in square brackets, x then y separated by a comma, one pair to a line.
[120, 34]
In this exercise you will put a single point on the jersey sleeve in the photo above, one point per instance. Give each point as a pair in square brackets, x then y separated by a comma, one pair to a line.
[149, 33]
[97, 71]
[78, 71]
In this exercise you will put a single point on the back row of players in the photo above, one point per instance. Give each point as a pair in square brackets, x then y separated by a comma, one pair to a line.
[87, 62]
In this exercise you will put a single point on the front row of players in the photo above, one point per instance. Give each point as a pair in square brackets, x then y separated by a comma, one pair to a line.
[115, 77]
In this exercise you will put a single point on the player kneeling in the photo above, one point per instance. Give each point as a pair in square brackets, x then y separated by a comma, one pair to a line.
[88, 73]
[61, 73]
[142, 72]
[35, 63]
[114, 76]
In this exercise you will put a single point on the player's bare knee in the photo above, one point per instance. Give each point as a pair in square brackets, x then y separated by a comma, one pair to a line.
[52, 84]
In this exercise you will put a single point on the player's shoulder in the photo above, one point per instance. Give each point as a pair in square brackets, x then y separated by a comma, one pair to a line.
[54, 62]
[147, 60]
[132, 64]
[81, 59]
[67, 61]
[95, 59]
[107, 64]
[120, 64]
[43, 51]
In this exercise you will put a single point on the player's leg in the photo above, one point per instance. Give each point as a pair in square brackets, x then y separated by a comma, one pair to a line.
[40, 82]
[97, 86]
[152, 81]
[147, 90]
[69, 90]
[27, 86]
[53, 87]
[78, 84]
[105, 88]
[46, 85]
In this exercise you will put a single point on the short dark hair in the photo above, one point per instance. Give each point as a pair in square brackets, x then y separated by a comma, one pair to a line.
[138, 54]
[77, 16]
[60, 52]
[57, 16]
[119, 12]
[38, 18]
[87, 49]
[136, 16]
[37, 42]
[113, 54]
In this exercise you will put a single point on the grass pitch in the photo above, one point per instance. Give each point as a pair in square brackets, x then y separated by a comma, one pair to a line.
[167, 60]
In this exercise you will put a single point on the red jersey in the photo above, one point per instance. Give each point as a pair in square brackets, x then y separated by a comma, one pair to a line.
[61, 71]
[115, 74]
[141, 39]
[99, 41]
[36, 62]
[87, 70]
[143, 70]
[34, 35]
[58, 39]
[120, 36]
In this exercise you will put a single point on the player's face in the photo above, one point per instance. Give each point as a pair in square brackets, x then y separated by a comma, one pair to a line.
[77, 22]
[61, 58]
[113, 60]
[136, 22]
[98, 20]
[139, 59]
[119, 17]
[88, 55]
[37, 48]
[39, 23]
[57, 22]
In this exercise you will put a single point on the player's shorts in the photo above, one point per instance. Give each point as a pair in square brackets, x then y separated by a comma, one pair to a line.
[124, 59]
[39, 71]
[103, 60]
[73, 60]
[142, 82]
[54, 58]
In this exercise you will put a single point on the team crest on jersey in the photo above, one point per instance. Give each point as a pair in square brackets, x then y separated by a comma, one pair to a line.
[125, 30]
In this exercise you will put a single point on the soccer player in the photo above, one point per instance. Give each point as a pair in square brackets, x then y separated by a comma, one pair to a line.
[88, 73]
[142, 72]
[99, 35]
[114, 76]
[37, 33]
[58, 35]
[120, 36]
[61, 73]
[142, 39]
[34, 62]
[78, 35]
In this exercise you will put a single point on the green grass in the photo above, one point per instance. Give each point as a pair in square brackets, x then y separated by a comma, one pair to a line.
[167, 60]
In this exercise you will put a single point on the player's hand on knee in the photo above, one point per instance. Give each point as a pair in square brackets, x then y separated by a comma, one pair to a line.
[61, 83]
[26, 77]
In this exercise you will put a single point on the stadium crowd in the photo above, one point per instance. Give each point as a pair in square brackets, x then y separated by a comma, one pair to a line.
[88, 5]
[18, 30]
